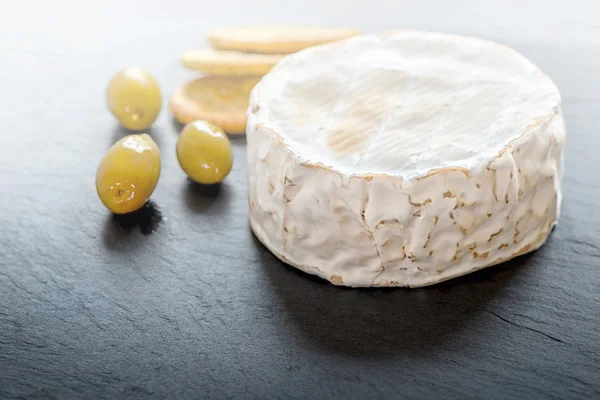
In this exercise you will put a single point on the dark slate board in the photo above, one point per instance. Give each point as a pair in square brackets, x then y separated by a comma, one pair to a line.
[181, 300]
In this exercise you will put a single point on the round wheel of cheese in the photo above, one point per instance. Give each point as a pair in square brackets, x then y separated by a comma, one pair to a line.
[404, 158]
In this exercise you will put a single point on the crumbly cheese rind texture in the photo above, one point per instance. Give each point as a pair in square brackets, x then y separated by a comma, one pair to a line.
[446, 180]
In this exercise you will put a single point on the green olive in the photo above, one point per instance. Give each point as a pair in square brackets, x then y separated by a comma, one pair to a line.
[204, 152]
[134, 98]
[128, 173]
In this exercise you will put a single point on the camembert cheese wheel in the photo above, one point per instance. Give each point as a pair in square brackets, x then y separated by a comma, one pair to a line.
[404, 158]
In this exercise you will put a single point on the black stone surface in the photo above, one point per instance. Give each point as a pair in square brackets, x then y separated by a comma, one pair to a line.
[181, 301]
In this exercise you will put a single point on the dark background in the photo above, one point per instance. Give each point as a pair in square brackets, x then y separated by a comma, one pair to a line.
[188, 304]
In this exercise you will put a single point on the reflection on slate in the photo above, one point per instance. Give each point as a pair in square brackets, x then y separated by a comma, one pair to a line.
[176, 125]
[200, 198]
[387, 322]
[199, 190]
[146, 218]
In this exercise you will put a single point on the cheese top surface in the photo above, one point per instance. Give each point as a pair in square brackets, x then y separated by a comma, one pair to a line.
[403, 104]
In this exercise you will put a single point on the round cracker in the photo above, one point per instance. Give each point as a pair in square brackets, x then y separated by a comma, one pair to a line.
[229, 63]
[276, 39]
[222, 100]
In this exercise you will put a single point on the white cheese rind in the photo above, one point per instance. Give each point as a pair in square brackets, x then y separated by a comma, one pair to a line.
[354, 218]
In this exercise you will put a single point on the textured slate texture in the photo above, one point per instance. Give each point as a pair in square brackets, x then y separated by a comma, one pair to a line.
[181, 301]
